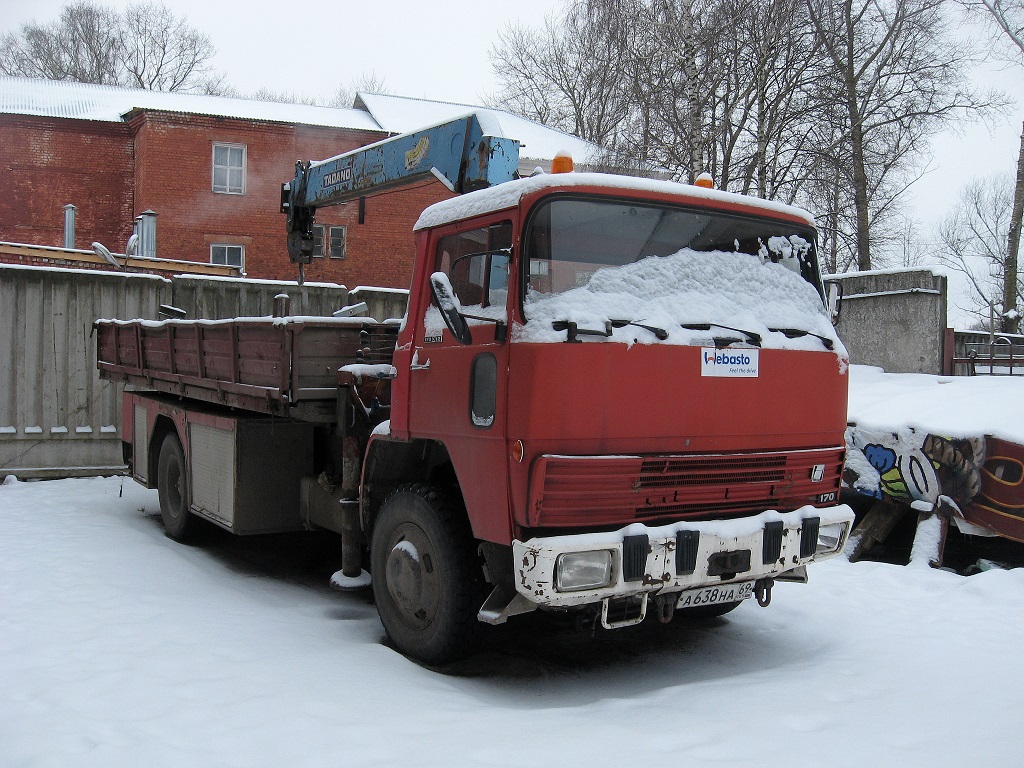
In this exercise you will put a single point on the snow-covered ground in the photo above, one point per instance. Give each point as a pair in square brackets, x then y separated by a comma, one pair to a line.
[119, 647]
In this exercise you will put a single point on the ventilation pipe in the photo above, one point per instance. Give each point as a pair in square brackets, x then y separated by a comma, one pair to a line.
[69, 226]
[147, 234]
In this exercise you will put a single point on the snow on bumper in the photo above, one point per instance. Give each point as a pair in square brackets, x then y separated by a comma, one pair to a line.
[680, 556]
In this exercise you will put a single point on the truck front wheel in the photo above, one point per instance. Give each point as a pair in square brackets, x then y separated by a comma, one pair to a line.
[427, 582]
[172, 486]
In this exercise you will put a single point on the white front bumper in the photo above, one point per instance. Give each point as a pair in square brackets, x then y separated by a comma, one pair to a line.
[535, 560]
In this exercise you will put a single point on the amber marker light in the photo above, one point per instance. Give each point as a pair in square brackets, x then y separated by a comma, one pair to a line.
[562, 163]
[705, 181]
[518, 451]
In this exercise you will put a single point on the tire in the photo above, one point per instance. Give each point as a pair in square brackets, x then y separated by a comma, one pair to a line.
[172, 486]
[427, 581]
[707, 611]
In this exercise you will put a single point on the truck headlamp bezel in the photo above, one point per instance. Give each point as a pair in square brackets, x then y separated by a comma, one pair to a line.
[576, 571]
[830, 538]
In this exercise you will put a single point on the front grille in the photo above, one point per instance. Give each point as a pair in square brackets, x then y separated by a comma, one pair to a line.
[569, 491]
[711, 470]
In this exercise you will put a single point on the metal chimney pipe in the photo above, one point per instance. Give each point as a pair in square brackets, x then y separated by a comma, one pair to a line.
[69, 226]
[147, 234]
[282, 305]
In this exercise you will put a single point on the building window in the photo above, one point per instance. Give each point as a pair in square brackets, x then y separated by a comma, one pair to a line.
[336, 241]
[228, 255]
[229, 169]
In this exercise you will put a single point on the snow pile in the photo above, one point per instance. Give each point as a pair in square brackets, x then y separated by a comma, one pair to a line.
[737, 290]
[951, 406]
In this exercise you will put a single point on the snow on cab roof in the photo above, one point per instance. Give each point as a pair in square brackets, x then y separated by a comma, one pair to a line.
[399, 114]
[508, 195]
[107, 103]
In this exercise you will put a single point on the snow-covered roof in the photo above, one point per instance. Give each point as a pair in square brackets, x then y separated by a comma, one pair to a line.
[508, 195]
[400, 114]
[390, 114]
[106, 103]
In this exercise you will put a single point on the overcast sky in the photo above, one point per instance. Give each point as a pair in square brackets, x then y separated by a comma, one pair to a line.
[422, 49]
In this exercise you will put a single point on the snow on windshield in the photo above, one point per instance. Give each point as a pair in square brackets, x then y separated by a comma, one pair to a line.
[738, 290]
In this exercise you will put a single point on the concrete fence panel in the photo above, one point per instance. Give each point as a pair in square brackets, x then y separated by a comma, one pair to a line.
[382, 303]
[57, 418]
[219, 299]
[894, 319]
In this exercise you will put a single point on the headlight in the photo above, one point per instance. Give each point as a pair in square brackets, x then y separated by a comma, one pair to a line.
[583, 570]
[830, 537]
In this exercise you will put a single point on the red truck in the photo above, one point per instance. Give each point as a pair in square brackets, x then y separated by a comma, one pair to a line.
[609, 396]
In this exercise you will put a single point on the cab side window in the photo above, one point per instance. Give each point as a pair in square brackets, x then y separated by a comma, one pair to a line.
[477, 264]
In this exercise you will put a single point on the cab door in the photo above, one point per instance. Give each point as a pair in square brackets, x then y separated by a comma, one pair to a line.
[457, 389]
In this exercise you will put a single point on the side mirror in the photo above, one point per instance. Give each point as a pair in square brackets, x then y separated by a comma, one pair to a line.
[834, 299]
[451, 310]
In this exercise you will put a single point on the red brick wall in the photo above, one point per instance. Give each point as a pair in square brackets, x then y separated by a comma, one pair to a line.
[163, 161]
[46, 163]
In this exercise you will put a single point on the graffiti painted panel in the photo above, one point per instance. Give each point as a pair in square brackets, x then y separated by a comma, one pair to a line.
[982, 476]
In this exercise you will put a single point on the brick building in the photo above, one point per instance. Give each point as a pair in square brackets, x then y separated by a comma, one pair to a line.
[211, 169]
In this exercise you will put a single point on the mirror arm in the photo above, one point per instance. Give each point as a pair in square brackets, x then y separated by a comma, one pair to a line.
[500, 326]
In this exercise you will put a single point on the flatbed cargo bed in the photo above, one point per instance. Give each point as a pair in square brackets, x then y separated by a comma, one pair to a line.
[274, 365]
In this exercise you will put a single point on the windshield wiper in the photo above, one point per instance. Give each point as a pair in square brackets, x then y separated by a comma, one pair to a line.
[795, 333]
[572, 330]
[751, 337]
[659, 333]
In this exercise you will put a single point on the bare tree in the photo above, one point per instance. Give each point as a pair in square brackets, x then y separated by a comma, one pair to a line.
[673, 87]
[160, 52]
[973, 241]
[899, 75]
[284, 97]
[146, 46]
[81, 45]
[1007, 18]
[569, 74]
[345, 96]
[823, 103]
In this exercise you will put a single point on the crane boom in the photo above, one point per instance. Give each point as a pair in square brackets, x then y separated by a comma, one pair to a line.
[459, 153]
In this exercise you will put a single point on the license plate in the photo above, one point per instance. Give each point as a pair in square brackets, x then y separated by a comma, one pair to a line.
[726, 593]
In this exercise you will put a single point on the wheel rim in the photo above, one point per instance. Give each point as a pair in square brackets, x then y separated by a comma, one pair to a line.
[411, 576]
[175, 487]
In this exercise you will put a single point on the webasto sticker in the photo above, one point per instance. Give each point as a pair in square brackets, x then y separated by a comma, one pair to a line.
[730, 363]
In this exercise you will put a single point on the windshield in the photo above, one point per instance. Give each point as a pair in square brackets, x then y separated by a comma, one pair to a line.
[570, 239]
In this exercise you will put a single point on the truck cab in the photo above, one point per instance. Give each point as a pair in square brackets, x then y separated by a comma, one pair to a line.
[629, 389]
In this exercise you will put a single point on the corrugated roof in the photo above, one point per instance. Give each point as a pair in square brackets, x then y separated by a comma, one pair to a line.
[106, 103]
[400, 114]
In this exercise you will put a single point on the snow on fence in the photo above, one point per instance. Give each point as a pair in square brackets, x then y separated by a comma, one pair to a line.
[57, 419]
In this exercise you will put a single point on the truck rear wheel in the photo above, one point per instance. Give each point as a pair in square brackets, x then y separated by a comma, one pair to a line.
[426, 578]
[172, 486]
